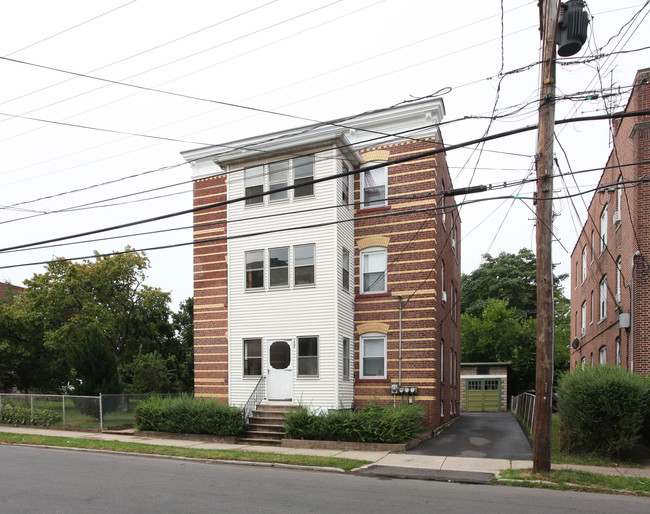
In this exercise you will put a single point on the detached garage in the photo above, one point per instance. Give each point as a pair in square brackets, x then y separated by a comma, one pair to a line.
[484, 386]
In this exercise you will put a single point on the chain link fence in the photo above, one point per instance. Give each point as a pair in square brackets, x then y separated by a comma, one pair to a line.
[103, 412]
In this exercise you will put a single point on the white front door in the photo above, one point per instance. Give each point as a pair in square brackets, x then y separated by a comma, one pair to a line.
[279, 379]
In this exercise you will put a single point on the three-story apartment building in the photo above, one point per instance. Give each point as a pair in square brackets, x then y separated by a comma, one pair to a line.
[327, 265]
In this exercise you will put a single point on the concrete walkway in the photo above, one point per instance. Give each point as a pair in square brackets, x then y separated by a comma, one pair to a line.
[402, 465]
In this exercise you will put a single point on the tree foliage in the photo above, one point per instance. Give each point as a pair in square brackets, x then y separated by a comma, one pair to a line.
[80, 326]
[499, 305]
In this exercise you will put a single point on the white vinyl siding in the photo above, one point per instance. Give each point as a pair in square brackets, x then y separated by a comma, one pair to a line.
[320, 309]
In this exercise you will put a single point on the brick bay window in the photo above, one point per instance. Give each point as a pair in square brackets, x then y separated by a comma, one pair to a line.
[373, 356]
[252, 357]
[373, 270]
[374, 188]
[307, 356]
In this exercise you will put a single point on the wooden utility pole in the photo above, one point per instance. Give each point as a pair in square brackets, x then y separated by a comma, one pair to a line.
[544, 163]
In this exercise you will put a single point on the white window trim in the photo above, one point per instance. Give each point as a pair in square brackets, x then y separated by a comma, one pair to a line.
[345, 251]
[345, 371]
[602, 299]
[584, 264]
[362, 285]
[603, 229]
[261, 357]
[375, 204]
[298, 356]
[372, 335]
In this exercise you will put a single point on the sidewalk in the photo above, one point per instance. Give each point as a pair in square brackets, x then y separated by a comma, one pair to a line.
[399, 465]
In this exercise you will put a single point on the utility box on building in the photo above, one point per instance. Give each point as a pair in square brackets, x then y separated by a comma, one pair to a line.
[484, 386]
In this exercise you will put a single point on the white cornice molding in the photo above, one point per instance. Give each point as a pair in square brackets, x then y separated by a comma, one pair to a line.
[376, 128]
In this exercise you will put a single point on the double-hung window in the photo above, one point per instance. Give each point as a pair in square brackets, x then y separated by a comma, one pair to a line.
[442, 361]
[618, 280]
[374, 188]
[345, 269]
[279, 267]
[346, 358]
[307, 356]
[252, 357]
[254, 184]
[304, 270]
[602, 355]
[603, 298]
[303, 172]
[583, 319]
[255, 269]
[373, 356]
[278, 178]
[345, 187]
[603, 229]
[584, 263]
[373, 270]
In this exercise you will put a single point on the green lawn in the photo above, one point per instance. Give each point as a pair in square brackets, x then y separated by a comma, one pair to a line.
[576, 481]
[232, 455]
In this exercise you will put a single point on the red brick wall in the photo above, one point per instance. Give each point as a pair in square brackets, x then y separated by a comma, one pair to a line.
[210, 291]
[624, 239]
[417, 244]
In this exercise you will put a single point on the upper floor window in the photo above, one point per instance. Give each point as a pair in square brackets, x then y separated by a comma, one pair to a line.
[304, 270]
[583, 321]
[619, 198]
[602, 355]
[374, 188]
[278, 263]
[278, 175]
[345, 186]
[373, 270]
[442, 281]
[303, 172]
[279, 267]
[592, 307]
[254, 184]
[442, 207]
[373, 356]
[603, 298]
[618, 280]
[603, 229]
[255, 269]
[618, 352]
[593, 247]
[345, 269]
[584, 263]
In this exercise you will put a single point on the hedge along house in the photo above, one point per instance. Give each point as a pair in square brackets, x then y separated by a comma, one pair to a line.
[319, 283]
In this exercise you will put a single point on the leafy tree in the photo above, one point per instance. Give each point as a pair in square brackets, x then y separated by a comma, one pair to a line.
[499, 307]
[99, 315]
[183, 325]
[500, 334]
[150, 373]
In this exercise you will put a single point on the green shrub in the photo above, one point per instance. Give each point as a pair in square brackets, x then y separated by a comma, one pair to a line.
[23, 416]
[372, 424]
[601, 410]
[645, 429]
[186, 415]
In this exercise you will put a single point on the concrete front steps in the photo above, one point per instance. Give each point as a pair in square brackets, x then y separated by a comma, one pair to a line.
[267, 425]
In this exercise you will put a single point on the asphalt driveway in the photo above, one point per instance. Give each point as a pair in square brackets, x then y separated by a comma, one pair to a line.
[492, 435]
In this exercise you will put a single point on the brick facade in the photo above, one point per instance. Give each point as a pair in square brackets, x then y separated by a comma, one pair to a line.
[599, 291]
[418, 243]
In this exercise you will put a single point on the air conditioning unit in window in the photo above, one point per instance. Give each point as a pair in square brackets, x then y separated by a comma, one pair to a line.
[616, 217]
[443, 296]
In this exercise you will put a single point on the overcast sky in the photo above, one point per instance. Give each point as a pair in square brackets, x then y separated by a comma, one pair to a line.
[98, 99]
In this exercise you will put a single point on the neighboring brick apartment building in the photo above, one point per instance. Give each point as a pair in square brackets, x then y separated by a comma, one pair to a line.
[334, 293]
[610, 282]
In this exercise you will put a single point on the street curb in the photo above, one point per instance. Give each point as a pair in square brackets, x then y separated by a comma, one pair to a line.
[281, 465]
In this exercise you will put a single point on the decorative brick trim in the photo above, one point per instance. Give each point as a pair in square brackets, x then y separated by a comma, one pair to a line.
[373, 326]
[369, 242]
[376, 155]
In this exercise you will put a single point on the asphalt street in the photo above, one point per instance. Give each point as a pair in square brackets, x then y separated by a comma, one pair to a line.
[35, 480]
[491, 435]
